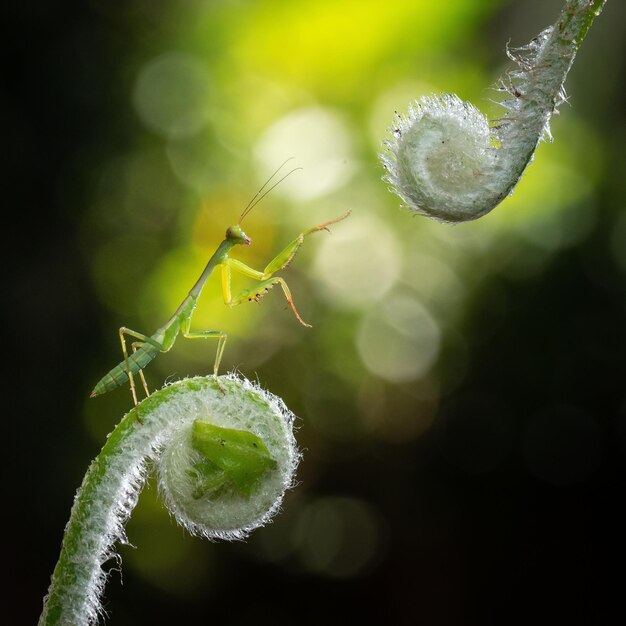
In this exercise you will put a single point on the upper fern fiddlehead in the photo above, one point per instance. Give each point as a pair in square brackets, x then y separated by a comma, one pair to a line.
[447, 161]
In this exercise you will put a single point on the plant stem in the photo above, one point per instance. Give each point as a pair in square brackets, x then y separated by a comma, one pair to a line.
[114, 479]
[447, 161]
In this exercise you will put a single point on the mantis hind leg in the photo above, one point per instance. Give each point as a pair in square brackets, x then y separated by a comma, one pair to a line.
[142, 338]
[134, 346]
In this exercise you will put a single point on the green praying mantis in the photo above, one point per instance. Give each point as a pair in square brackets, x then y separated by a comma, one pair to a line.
[146, 348]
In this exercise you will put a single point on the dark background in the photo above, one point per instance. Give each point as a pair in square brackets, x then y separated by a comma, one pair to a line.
[506, 508]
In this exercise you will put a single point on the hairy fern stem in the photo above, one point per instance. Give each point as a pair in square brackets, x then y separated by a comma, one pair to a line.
[447, 161]
[251, 425]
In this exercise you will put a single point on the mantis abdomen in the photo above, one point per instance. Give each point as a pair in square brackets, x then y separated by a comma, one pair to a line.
[119, 374]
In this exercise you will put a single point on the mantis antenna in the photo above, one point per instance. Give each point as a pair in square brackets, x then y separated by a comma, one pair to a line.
[259, 195]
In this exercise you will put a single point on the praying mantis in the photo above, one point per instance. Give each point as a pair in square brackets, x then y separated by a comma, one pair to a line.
[147, 348]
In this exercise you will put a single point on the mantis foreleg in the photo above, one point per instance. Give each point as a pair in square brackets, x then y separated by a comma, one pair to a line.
[256, 292]
[279, 262]
[284, 258]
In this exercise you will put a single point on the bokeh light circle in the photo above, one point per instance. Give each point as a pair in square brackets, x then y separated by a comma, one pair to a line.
[399, 340]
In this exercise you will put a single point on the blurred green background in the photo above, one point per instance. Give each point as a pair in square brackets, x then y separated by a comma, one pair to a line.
[462, 392]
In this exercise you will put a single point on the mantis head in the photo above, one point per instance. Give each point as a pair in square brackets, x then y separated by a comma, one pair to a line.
[236, 235]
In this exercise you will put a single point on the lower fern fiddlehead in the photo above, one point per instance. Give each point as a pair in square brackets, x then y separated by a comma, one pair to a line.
[447, 161]
[225, 454]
